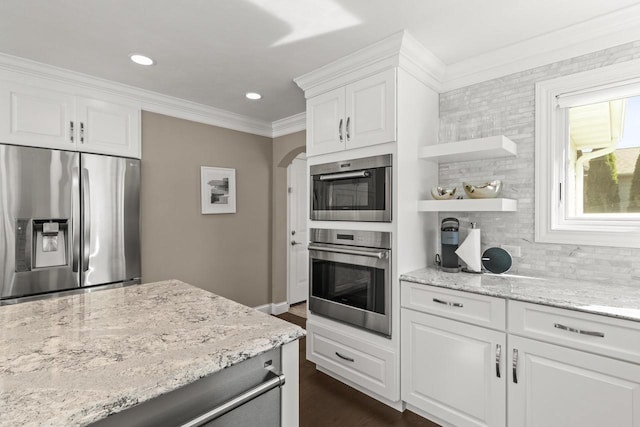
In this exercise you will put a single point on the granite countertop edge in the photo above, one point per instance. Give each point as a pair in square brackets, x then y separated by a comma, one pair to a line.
[604, 299]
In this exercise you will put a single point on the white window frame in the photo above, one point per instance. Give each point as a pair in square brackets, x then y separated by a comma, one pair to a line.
[552, 225]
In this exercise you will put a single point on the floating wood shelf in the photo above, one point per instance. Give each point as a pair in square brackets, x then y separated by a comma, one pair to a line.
[490, 147]
[468, 205]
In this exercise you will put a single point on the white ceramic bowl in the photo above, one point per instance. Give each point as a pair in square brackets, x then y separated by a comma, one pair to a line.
[488, 190]
[441, 193]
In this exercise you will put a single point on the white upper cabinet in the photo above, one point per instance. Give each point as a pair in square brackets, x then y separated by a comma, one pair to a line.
[325, 122]
[356, 115]
[35, 115]
[371, 110]
[108, 128]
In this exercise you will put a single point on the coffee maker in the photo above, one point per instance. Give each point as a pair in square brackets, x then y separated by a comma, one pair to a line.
[449, 239]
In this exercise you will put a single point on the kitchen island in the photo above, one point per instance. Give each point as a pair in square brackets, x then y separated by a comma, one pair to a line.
[76, 359]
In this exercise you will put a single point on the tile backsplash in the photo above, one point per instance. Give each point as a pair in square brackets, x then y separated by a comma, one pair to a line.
[509, 102]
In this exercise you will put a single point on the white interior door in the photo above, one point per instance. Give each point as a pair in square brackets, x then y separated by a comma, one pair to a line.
[298, 259]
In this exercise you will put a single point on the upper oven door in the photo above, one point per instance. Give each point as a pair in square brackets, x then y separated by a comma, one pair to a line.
[357, 190]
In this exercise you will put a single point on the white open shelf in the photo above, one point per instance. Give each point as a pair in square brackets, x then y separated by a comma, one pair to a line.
[468, 205]
[490, 147]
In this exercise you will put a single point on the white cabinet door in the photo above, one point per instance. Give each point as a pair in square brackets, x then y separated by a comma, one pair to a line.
[453, 371]
[326, 123]
[36, 116]
[555, 386]
[371, 110]
[108, 128]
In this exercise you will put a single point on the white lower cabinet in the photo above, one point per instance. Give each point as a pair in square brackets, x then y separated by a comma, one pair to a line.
[559, 368]
[452, 370]
[368, 365]
[553, 386]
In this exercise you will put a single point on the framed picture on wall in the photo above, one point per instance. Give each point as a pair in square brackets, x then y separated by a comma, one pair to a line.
[218, 190]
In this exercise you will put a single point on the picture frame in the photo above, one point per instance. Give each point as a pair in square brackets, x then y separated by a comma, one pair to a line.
[217, 190]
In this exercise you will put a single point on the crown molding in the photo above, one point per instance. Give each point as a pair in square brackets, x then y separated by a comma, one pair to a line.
[600, 33]
[292, 124]
[150, 101]
[398, 50]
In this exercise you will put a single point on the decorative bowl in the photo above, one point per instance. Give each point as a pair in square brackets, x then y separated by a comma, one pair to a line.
[441, 193]
[488, 190]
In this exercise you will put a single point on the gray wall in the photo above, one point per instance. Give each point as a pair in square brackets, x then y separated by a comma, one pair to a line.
[511, 100]
[285, 149]
[227, 254]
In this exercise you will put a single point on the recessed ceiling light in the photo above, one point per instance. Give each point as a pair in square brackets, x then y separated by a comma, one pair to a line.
[141, 59]
[253, 95]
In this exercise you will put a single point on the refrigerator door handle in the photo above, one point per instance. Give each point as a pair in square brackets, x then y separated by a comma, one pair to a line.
[86, 208]
[75, 185]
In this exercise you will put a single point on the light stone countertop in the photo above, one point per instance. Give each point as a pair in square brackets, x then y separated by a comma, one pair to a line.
[590, 297]
[73, 360]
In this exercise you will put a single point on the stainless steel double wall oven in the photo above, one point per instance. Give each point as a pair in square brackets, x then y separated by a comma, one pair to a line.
[350, 270]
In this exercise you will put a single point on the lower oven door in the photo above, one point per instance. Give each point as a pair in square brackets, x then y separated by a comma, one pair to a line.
[352, 285]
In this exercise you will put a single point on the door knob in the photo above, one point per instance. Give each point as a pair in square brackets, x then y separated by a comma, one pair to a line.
[293, 243]
[293, 232]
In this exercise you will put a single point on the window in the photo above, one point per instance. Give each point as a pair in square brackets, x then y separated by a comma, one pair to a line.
[588, 157]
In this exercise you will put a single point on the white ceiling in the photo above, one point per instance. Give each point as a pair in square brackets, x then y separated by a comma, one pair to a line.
[213, 51]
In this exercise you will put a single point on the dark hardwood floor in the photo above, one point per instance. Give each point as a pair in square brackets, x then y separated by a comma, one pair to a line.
[326, 402]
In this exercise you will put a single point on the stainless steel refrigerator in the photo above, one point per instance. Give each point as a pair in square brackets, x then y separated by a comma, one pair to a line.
[67, 220]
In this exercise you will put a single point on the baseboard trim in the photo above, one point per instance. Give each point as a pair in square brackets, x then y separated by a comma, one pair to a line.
[279, 308]
[273, 308]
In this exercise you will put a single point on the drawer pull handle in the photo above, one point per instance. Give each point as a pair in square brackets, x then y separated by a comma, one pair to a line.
[498, 356]
[348, 359]
[515, 366]
[578, 331]
[450, 304]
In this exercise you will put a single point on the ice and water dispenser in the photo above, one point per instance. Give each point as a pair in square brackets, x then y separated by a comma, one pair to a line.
[41, 243]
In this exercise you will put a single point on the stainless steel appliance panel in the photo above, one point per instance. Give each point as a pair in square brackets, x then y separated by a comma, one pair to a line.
[246, 394]
[110, 250]
[352, 190]
[39, 218]
[351, 282]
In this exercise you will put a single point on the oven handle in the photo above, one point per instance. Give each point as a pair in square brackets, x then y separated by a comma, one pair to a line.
[371, 254]
[344, 175]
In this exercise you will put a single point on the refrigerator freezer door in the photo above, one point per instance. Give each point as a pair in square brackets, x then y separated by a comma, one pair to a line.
[39, 220]
[110, 200]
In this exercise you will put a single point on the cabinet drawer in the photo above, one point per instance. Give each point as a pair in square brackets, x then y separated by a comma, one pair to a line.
[590, 332]
[472, 308]
[367, 365]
